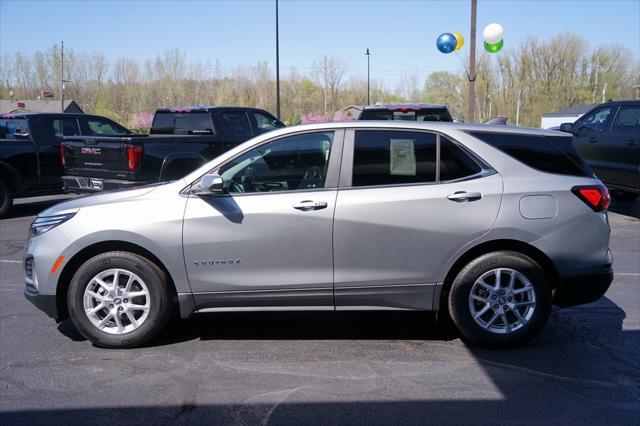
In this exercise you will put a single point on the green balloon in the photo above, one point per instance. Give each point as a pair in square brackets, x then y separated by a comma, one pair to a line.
[494, 48]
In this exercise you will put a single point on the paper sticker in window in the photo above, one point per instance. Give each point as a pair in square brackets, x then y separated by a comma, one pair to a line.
[403, 157]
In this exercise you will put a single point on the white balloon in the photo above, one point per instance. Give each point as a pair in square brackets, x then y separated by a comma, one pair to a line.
[492, 33]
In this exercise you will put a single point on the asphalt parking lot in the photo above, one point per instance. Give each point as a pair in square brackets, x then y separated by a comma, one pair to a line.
[308, 368]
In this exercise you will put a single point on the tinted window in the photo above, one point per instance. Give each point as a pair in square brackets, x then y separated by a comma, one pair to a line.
[454, 162]
[548, 154]
[406, 114]
[287, 164]
[596, 120]
[628, 118]
[100, 127]
[10, 126]
[182, 123]
[235, 125]
[387, 157]
[265, 122]
[50, 128]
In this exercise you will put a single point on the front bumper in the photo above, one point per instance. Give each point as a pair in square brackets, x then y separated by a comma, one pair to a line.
[584, 288]
[88, 185]
[45, 302]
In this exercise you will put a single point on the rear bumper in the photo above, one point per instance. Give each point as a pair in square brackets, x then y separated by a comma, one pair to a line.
[584, 288]
[87, 185]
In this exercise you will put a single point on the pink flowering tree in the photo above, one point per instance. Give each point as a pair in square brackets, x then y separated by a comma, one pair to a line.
[142, 122]
[315, 118]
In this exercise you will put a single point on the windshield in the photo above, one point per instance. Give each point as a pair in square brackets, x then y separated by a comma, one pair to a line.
[430, 114]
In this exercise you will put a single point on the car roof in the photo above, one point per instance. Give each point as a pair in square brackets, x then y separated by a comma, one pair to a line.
[436, 126]
[408, 105]
[205, 108]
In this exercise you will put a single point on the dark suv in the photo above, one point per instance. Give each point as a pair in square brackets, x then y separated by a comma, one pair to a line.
[608, 137]
[406, 112]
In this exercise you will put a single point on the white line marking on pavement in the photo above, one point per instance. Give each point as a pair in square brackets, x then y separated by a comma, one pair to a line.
[631, 274]
[10, 261]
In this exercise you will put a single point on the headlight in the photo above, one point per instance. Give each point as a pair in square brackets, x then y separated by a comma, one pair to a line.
[42, 224]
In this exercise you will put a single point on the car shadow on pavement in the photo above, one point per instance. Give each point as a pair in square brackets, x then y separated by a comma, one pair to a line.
[562, 369]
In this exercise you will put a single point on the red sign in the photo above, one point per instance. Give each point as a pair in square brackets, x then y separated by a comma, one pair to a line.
[46, 94]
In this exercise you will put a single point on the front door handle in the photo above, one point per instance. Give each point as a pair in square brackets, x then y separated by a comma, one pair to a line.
[463, 196]
[593, 140]
[631, 142]
[310, 205]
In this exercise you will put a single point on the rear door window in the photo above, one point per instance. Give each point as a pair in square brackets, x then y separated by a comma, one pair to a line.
[455, 163]
[235, 125]
[389, 157]
[551, 154]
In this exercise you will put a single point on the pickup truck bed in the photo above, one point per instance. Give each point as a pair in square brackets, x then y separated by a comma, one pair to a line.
[181, 140]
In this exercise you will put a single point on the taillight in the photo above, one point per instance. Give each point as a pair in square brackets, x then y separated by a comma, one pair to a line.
[595, 196]
[134, 157]
[62, 160]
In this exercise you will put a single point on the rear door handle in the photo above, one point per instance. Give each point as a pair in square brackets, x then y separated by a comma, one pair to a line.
[310, 205]
[593, 140]
[463, 196]
[631, 142]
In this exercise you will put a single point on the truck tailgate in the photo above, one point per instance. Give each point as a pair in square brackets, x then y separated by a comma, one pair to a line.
[106, 157]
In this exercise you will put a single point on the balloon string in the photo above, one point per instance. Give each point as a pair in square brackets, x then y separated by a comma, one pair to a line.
[465, 67]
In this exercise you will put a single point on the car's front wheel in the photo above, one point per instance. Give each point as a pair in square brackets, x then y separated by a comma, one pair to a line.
[119, 300]
[500, 299]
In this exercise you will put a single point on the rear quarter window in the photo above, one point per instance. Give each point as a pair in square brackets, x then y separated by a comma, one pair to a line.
[551, 154]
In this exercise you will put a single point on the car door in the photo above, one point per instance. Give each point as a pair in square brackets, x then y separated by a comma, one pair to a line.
[619, 149]
[588, 132]
[267, 241]
[401, 214]
[48, 133]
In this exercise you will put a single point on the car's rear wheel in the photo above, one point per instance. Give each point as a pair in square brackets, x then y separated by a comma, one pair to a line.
[119, 300]
[500, 299]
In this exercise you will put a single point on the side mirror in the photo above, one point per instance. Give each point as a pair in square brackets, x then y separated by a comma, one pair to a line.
[566, 127]
[210, 184]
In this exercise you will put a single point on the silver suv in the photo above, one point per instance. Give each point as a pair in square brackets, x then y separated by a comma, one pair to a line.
[488, 226]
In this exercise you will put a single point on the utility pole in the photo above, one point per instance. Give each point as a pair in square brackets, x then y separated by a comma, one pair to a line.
[472, 63]
[368, 78]
[277, 66]
[62, 78]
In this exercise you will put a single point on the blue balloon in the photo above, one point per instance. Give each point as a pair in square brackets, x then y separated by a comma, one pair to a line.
[446, 43]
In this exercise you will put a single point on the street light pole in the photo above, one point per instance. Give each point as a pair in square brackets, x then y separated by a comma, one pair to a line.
[277, 66]
[472, 63]
[368, 78]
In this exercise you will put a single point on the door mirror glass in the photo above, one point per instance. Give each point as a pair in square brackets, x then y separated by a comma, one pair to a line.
[210, 184]
[566, 127]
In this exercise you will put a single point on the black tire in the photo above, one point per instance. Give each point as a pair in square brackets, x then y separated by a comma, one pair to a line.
[459, 300]
[6, 198]
[157, 284]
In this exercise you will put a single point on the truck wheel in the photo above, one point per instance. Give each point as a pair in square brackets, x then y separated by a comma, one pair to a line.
[6, 198]
[119, 300]
[500, 299]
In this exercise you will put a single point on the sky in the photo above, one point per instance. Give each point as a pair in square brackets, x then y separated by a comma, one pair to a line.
[400, 34]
